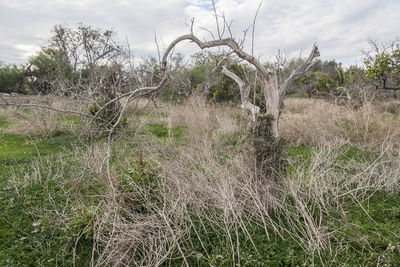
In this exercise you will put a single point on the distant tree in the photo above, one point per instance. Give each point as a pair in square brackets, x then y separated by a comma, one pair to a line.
[354, 75]
[201, 73]
[198, 74]
[88, 64]
[50, 71]
[383, 65]
[75, 58]
[205, 73]
[322, 78]
[11, 78]
[85, 47]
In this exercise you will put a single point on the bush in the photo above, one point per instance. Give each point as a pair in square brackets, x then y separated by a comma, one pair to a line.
[226, 89]
[10, 77]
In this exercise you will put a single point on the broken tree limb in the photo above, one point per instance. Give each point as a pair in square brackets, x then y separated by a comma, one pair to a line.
[244, 93]
[299, 72]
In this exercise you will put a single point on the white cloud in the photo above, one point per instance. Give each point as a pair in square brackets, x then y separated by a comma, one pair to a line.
[27, 50]
[341, 28]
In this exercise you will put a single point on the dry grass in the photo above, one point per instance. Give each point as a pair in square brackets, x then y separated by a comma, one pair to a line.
[192, 183]
[168, 190]
[202, 117]
[208, 181]
[39, 121]
[312, 121]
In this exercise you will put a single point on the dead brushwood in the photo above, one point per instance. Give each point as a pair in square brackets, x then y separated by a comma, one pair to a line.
[171, 194]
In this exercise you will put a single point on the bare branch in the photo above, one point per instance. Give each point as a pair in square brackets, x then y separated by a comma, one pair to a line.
[50, 108]
[244, 93]
[299, 72]
[207, 30]
[191, 26]
[254, 27]
[158, 47]
[216, 19]
[229, 42]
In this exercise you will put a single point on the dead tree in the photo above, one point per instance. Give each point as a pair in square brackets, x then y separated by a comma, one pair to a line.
[273, 94]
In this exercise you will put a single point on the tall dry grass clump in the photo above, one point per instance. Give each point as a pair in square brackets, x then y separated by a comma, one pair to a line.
[315, 121]
[205, 182]
[208, 181]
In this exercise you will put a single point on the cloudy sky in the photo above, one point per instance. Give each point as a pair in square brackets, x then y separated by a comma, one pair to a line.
[339, 27]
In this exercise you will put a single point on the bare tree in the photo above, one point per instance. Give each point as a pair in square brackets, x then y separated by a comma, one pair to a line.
[109, 88]
[114, 98]
[273, 94]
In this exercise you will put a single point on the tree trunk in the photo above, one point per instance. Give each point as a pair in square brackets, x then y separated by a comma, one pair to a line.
[271, 95]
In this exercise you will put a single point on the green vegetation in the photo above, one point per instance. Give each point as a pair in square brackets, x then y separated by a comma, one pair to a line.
[11, 78]
[198, 184]
[256, 249]
[32, 233]
[202, 189]
[224, 89]
[74, 120]
[163, 132]
[4, 122]
[15, 148]
[383, 66]
[373, 230]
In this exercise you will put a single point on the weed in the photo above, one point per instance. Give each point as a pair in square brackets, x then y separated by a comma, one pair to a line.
[4, 122]
[29, 237]
[75, 120]
[161, 131]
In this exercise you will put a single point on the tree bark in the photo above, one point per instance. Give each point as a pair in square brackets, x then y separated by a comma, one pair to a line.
[272, 102]
[244, 93]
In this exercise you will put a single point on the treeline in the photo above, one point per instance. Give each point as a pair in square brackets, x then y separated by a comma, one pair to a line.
[91, 61]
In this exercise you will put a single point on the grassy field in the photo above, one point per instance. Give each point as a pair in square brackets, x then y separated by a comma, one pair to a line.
[184, 190]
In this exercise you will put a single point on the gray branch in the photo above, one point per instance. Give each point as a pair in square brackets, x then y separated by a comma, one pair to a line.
[299, 72]
[244, 92]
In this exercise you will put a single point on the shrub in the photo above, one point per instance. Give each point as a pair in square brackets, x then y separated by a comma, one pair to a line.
[10, 76]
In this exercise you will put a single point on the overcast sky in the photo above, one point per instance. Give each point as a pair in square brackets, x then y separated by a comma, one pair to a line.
[340, 27]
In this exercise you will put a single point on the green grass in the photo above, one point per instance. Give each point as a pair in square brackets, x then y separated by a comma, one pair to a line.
[70, 119]
[303, 155]
[163, 132]
[381, 232]
[16, 148]
[4, 124]
[271, 250]
[25, 238]
[370, 231]
[298, 156]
